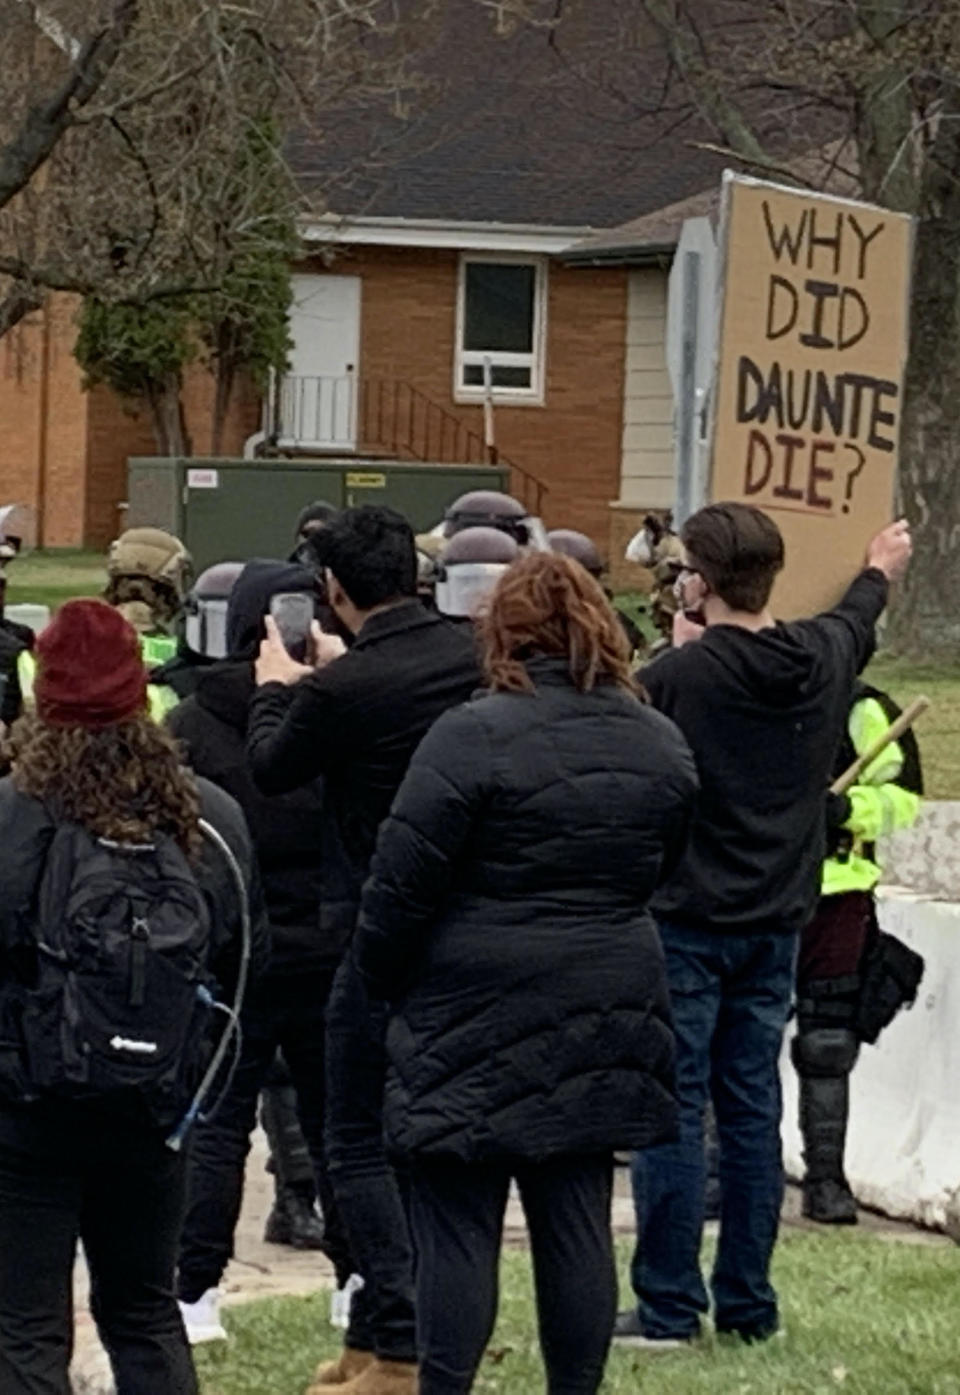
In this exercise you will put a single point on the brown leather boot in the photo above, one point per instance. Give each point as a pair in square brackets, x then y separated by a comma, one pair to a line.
[349, 1364]
[378, 1378]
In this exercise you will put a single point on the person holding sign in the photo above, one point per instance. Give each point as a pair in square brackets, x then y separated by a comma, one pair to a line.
[763, 707]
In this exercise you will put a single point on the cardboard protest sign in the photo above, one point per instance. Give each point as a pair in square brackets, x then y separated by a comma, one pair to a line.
[810, 370]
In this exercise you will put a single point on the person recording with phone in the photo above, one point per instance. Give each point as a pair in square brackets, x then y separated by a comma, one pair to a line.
[356, 718]
[287, 1010]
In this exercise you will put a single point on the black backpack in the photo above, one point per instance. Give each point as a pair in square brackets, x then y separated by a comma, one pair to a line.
[121, 1006]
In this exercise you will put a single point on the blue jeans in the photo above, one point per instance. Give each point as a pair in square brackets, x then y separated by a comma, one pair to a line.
[731, 997]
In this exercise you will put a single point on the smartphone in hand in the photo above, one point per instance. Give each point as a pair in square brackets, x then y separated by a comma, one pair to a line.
[294, 613]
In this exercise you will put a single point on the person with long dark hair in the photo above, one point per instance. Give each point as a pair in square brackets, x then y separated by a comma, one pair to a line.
[506, 919]
[120, 926]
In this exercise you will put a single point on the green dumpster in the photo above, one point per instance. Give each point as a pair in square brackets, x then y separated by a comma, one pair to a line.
[234, 509]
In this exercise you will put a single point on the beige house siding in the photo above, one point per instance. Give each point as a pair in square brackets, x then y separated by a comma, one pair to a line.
[646, 480]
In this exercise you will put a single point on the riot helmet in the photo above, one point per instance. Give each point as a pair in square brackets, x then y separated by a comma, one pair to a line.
[578, 546]
[205, 609]
[488, 508]
[470, 565]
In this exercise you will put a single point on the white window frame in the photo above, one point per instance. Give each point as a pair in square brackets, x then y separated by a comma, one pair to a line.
[533, 396]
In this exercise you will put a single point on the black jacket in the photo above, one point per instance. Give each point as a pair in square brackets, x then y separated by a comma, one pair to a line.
[357, 722]
[287, 830]
[764, 715]
[507, 904]
[14, 639]
[182, 673]
[26, 831]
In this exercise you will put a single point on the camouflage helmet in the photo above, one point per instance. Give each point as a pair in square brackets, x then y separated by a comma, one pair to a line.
[488, 508]
[578, 546]
[148, 576]
[153, 554]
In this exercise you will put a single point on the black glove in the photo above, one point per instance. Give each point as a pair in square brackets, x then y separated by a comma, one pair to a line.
[839, 810]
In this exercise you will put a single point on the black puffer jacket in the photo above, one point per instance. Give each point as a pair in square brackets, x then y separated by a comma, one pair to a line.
[506, 914]
[14, 639]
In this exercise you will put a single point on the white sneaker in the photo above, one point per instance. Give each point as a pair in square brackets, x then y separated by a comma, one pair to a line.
[202, 1319]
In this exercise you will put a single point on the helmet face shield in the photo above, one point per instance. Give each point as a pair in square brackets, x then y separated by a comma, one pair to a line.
[205, 628]
[464, 588]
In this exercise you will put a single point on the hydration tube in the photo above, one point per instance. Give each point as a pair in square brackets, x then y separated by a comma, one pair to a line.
[177, 1138]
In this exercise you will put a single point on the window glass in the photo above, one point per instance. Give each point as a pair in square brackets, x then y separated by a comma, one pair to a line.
[499, 309]
[503, 377]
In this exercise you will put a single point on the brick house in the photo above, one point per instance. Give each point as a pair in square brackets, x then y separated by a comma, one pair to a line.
[487, 236]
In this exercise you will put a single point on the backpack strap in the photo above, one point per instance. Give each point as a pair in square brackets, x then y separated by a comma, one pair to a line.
[213, 835]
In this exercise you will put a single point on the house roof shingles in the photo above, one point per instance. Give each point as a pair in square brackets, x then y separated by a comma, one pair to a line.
[514, 130]
[656, 234]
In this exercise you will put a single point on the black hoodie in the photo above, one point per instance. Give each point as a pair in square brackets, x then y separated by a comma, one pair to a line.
[764, 714]
[287, 830]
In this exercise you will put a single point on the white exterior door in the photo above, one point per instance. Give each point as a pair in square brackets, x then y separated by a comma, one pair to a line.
[318, 397]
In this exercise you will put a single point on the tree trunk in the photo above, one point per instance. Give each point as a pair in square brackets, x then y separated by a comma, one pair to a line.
[169, 421]
[926, 616]
[223, 396]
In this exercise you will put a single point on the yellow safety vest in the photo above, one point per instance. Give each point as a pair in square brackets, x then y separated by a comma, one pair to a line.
[160, 699]
[878, 805]
[158, 649]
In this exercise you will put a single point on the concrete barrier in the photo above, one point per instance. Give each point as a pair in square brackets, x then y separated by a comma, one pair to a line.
[926, 857]
[36, 616]
[903, 1150]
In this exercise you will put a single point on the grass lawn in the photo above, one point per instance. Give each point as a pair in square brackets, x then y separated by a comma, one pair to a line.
[938, 730]
[50, 578]
[862, 1315]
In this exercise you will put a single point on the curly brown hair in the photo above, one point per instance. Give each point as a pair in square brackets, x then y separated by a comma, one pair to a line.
[548, 604]
[124, 782]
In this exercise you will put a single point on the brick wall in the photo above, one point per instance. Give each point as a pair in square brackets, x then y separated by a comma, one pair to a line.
[573, 442]
[116, 431]
[243, 417]
[408, 318]
[44, 425]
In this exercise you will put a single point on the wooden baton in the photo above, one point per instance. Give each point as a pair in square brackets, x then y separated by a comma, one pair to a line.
[892, 734]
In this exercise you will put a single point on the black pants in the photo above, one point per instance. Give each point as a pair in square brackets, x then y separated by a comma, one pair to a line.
[67, 1173]
[369, 1194]
[457, 1212]
[289, 1160]
[288, 1013]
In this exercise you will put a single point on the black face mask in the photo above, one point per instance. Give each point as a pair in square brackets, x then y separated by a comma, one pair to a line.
[304, 555]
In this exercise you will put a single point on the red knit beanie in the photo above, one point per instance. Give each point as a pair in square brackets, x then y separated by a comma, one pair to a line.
[89, 669]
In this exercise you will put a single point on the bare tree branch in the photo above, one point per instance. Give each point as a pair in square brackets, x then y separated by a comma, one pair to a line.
[686, 52]
[44, 124]
[15, 306]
